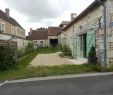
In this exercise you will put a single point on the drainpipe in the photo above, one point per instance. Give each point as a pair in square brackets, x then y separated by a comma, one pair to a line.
[74, 41]
[104, 14]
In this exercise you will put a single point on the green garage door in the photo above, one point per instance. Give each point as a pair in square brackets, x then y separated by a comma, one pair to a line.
[90, 40]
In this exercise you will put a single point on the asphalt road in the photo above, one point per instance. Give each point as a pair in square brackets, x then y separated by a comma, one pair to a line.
[100, 85]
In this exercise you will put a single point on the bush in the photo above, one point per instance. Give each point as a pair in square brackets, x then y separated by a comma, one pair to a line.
[29, 48]
[7, 58]
[1, 31]
[20, 53]
[66, 51]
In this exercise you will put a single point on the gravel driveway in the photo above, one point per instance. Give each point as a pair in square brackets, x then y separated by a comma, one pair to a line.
[50, 59]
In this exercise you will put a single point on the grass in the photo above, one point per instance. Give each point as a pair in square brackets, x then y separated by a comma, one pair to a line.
[23, 70]
[48, 50]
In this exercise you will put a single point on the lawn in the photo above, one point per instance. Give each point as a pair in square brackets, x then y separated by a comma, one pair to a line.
[23, 70]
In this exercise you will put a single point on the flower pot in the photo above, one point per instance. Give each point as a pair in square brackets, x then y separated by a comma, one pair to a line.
[92, 60]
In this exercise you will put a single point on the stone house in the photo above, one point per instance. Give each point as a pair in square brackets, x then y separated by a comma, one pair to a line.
[39, 37]
[12, 30]
[9, 25]
[88, 29]
[61, 36]
[44, 37]
[65, 36]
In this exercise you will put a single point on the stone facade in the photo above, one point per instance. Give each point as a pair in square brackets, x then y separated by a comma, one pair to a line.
[11, 26]
[89, 30]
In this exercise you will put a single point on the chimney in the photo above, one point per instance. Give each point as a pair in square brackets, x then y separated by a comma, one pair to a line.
[30, 31]
[7, 12]
[73, 15]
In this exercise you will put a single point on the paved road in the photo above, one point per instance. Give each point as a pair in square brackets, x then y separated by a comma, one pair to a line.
[100, 85]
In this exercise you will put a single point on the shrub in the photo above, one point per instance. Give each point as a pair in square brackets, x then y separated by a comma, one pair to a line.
[20, 53]
[66, 51]
[7, 58]
[29, 48]
[1, 31]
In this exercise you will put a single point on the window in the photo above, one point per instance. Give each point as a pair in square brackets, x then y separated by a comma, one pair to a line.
[41, 42]
[2, 26]
[12, 30]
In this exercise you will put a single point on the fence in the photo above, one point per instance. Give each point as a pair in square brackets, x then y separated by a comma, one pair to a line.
[10, 44]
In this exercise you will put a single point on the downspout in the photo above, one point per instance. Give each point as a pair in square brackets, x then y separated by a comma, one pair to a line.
[104, 6]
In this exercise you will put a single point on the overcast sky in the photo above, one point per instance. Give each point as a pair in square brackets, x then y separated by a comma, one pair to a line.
[43, 13]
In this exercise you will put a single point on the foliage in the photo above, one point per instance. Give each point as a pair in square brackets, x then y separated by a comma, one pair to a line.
[48, 49]
[20, 53]
[66, 51]
[23, 70]
[1, 31]
[92, 52]
[7, 58]
[29, 48]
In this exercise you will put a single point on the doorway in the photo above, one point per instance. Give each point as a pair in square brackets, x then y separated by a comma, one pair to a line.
[85, 45]
[53, 42]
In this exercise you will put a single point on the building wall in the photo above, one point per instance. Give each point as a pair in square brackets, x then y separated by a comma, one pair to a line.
[51, 37]
[7, 26]
[68, 37]
[37, 43]
[90, 23]
[17, 30]
[21, 43]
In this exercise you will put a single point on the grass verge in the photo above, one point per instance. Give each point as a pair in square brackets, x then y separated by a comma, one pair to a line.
[22, 70]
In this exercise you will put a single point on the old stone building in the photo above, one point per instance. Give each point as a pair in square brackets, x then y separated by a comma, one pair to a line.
[10, 29]
[9, 25]
[88, 29]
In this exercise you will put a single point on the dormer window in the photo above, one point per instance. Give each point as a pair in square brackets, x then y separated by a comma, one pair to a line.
[3, 26]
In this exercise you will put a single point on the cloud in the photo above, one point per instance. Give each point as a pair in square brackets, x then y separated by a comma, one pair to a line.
[38, 10]
[46, 11]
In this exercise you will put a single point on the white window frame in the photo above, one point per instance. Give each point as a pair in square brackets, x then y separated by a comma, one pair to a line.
[2, 28]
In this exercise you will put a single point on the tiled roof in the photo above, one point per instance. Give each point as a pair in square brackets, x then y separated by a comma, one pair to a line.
[53, 31]
[64, 23]
[38, 35]
[9, 19]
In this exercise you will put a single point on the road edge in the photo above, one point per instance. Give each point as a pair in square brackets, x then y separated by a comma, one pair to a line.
[59, 77]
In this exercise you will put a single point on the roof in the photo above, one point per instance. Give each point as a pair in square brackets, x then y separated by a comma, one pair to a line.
[9, 19]
[64, 23]
[53, 31]
[38, 35]
[91, 7]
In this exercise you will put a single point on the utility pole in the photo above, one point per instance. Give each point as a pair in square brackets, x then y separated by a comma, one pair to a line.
[102, 2]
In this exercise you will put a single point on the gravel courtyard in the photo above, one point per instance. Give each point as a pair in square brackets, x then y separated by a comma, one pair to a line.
[50, 59]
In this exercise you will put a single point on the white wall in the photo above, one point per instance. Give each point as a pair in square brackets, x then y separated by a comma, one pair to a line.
[21, 43]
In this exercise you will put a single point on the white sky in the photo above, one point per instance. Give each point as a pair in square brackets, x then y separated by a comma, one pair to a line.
[43, 13]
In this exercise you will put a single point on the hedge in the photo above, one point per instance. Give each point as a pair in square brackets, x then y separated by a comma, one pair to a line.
[7, 58]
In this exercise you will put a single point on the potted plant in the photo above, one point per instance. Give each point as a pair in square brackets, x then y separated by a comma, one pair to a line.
[92, 59]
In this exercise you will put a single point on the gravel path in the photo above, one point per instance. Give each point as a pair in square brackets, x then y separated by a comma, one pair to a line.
[49, 60]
